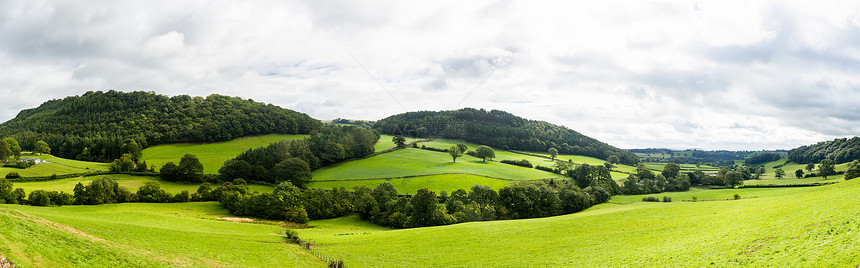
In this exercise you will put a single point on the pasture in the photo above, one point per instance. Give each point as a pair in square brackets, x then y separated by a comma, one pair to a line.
[814, 226]
[55, 165]
[211, 155]
[130, 182]
[137, 234]
[411, 185]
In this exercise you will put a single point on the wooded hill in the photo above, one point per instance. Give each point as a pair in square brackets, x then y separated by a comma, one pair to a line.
[499, 129]
[839, 150]
[101, 126]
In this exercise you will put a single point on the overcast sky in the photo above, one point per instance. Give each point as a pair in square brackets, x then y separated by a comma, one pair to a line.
[738, 75]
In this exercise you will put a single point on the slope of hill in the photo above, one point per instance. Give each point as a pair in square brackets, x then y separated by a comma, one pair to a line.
[500, 130]
[211, 155]
[813, 226]
[100, 126]
[839, 150]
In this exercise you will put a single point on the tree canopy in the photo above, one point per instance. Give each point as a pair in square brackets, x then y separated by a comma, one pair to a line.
[838, 150]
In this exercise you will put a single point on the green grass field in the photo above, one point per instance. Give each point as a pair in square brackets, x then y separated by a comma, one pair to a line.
[211, 155]
[385, 142]
[412, 162]
[801, 227]
[56, 165]
[142, 235]
[132, 183]
[437, 183]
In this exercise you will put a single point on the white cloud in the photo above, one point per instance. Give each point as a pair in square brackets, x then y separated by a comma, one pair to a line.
[679, 74]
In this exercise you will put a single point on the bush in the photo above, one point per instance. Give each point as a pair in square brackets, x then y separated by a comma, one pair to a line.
[695, 199]
[39, 198]
[650, 199]
[547, 169]
[737, 196]
[13, 175]
[667, 199]
[522, 163]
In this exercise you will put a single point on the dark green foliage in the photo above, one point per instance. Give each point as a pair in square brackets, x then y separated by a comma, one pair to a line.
[612, 159]
[762, 158]
[331, 145]
[799, 173]
[853, 170]
[293, 170]
[39, 198]
[667, 199]
[455, 152]
[737, 196]
[151, 192]
[14, 147]
[6, 196]
[671, 170]
[522, 163]
[100, 126]
[169, 172]
[5, 152]
[553, 152]
[810, 166]
[426, 210]
[100, 191]
[123, 164]
[826, 168]
[190, 169]
[838, 150]
[779, 173]
[734, 178]
[501, 130]
[399, 140]
[19, 196]
[183, 196]
[593, 176]
[463, 148]
[650, 199]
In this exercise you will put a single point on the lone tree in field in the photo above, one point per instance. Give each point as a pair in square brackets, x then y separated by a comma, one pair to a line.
[734, 178]
[758, 172]
[553, 153]
[825, 168]
[399, 140]
[455, 152]
[42, 148]
[853, 170]
[612, 159]
[779, 173]
[485, 152]
[810, 166]
[798, 173]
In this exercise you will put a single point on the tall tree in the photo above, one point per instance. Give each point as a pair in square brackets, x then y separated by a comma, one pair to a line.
[734, 178]
[463, 147]
[853, 170]
[612, 159]
[826, 168]
[293, 170]
[42, 148]
[13, 145]
[810, 167]
[553, 152]
[190, 168]
[485, 152]
[5, 152]
[399, 140]
[798, 173]
[779, 173]
[455, 152]
[671, 170]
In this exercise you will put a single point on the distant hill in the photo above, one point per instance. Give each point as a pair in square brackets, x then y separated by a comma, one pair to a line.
[839, 150]
[499, 129]
[101, 126]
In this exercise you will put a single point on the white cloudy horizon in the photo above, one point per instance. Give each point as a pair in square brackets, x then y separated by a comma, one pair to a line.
[712, 75]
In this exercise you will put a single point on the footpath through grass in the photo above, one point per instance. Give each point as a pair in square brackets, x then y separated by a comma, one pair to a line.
[142, 235]
[802, 227]
[211, 155]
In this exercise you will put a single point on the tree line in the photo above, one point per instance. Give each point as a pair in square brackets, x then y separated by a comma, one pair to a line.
[102, 126]
[499, 129]
[838, 150]
[293, 160]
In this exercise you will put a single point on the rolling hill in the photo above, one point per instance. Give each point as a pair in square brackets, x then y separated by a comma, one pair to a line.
[501, 130]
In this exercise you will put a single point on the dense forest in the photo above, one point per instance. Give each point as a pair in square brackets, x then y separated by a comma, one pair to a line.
[101, 126]
[839, 150]
[500, 130]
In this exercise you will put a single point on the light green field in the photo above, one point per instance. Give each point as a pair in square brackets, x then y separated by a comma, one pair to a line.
[799, 227]
[132, 183]
[56, 165]
[437, 183]
[141, 235]
[413, 162]
[211, 155]
[385, 142]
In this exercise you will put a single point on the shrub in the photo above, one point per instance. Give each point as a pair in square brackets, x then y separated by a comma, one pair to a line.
[13, 175]
[695, 199]
[667, 199]
[737, 196]
[522, 163]
[39, 198]
[547, 169]
[650, 199]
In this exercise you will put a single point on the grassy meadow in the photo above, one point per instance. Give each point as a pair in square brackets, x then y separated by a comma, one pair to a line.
[414, 162]
[142, 235]
[802, 227]
[411, 185]
[55, 165]
[211, 155]
[385, 142]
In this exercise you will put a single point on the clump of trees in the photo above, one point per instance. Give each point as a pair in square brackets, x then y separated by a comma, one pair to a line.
[762, 158]
[646, 182]
[100, 126]
[838, 150]
[292, 160]
[189, 170]
[853, 170]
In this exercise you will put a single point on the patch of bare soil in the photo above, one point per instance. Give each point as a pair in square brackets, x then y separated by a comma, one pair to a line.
[236, 219]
